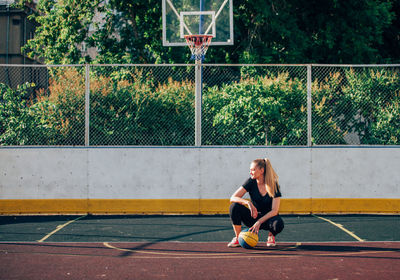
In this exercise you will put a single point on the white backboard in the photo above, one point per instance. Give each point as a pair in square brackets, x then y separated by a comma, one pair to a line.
[195, 17]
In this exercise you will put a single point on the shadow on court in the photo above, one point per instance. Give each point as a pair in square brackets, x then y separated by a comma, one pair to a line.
[128, 228]
[194, 247]
[198, 260]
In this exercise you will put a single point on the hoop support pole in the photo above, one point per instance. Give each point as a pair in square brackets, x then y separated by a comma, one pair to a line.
[197, 102]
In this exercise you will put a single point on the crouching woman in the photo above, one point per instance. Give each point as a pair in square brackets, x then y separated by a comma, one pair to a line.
[262, 211]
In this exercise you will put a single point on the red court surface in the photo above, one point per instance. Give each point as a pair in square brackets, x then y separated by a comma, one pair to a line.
[194, 247]
[195, 260]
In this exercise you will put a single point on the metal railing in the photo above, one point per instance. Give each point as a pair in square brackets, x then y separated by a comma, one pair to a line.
[238, 105]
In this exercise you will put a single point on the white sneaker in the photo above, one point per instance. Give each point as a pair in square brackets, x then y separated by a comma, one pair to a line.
[234, 243]
[271, 240]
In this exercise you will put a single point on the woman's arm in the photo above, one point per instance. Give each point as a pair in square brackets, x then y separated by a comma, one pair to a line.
[238, 198]
[276, 201]
[274, 211]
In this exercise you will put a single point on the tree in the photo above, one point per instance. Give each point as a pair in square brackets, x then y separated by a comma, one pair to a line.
[266, 31]
[63, 27]
[125, 32]
[304, 31]
[390, 50]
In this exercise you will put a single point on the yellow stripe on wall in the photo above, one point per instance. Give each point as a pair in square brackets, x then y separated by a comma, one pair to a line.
[190, 206]
[348, 205]
[43, 206]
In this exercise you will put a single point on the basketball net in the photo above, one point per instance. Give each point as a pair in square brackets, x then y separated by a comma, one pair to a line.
[198, 45]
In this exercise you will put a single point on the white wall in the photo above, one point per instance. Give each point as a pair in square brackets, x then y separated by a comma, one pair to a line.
[147, 173]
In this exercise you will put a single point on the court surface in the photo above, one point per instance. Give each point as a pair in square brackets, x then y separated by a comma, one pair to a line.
[194, 247]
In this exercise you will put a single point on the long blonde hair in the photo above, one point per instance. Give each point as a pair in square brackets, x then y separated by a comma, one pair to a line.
[270, 176]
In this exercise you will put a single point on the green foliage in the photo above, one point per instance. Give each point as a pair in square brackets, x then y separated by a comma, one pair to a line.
[67, 93]
[329, 126]
[375, 96]
[304, 31]
[386, 130]
[262, 111]
[174, 114]
[140, 113]
[116, 109]
[266, 31]
[24, 125]
[361, 102]
[62, 26]
[131, 108]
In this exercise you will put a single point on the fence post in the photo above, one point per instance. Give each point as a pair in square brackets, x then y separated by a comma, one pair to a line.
[309, 106]
[87, 103]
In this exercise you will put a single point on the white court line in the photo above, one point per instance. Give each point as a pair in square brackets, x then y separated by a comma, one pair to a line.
[341, 227]
[60, 227]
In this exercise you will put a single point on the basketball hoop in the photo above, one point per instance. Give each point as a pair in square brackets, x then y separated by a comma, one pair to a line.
[198, 45]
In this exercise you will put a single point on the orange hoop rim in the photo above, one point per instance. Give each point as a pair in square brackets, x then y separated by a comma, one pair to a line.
[197, 36]
[198, 45]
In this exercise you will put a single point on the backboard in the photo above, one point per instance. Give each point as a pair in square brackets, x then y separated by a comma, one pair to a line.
[197, 17]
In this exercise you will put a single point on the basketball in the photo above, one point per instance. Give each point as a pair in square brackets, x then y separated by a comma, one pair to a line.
[247, 239]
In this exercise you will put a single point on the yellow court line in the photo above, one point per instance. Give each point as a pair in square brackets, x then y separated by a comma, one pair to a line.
[342, 228]
[252, 254]
[249, 254]
[60, 227]
[108, 245]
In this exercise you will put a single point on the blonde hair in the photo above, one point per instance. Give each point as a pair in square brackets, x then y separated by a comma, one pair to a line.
[270, 176]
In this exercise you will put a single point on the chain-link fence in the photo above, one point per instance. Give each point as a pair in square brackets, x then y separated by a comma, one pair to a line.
[254, 105]
[155, 105]
[356, 105]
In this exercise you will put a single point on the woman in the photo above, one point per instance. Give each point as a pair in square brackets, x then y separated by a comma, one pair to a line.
[262, 212]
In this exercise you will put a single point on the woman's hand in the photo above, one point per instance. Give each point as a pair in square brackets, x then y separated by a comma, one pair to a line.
[255, 228]
[253, 210]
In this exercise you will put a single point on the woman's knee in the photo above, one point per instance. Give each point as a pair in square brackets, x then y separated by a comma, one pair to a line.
[237, 213]
[276, 225]
[235, 207]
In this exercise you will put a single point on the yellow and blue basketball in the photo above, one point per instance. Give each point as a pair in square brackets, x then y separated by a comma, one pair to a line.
[247, 239]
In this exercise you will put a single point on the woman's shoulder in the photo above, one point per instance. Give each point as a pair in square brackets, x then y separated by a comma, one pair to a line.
[278, 190]
[249, 183]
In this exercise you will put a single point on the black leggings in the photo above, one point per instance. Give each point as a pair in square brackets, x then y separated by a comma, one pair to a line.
[240, 213]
